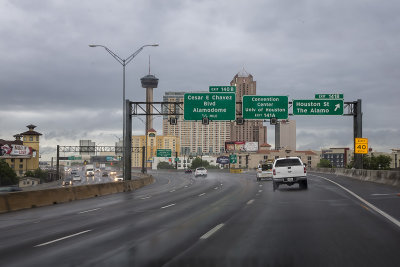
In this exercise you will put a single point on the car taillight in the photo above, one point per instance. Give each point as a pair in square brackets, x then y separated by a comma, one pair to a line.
[305, 171]
[274, 172]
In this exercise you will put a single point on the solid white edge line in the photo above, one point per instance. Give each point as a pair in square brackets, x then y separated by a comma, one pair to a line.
[381, 212]
[250, 201]
[62, 238]
[212, 231]
[88, 211]
[168, 206]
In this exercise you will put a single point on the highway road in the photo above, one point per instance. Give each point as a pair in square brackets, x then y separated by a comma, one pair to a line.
[220, 220]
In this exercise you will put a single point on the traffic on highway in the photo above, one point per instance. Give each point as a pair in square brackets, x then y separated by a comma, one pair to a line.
[218, 219]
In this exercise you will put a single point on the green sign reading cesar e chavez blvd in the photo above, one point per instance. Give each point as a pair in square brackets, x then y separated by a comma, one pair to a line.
[265, 107]
[318, 107]
[214, 106]
[164, 153]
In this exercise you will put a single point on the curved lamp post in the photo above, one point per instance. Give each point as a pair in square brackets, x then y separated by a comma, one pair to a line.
[123, 62]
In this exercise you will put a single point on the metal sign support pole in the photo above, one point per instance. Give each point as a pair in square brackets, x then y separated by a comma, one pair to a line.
[128, 142]
[357, 124]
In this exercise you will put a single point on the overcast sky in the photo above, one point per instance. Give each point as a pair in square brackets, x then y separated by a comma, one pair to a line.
[51, 78]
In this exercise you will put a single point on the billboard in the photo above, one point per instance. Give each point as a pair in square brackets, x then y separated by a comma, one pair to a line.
[241, 146]
[251, 146]
[223, 160]
[15, 150]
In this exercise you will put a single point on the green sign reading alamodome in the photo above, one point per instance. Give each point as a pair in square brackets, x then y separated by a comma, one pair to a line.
[214, 106]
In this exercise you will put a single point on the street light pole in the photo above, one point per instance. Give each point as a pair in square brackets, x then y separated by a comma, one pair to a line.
[123, 62]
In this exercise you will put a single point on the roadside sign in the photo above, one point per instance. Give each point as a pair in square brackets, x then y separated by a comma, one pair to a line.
[361, 145]
[232, 158]
[318, 107]
[164, 153]
[222, 89]
[223, 160]
[265, 107]
[214, 106]
[328, 96]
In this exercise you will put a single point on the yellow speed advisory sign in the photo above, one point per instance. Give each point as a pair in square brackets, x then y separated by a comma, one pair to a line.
[361, 145]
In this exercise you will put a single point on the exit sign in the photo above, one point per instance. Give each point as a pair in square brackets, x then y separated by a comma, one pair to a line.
[222, 89]
[329, 96]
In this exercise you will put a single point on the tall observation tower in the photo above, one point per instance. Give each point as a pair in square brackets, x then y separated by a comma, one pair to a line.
[149, 82]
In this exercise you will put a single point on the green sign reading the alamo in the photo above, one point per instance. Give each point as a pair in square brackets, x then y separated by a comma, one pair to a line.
[318, 107]
[265, 107]
[214, 106]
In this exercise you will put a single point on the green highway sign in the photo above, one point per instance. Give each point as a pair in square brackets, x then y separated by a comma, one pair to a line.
[164, 153]
[233, 158]
[318, 107]
[328, 96]
[265, 107]
[222, 89]
[214, 106]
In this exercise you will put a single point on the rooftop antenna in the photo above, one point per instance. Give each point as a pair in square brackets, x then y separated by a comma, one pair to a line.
[149, 64]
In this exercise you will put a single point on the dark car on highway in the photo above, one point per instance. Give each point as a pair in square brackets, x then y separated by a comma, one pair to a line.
[9, 189]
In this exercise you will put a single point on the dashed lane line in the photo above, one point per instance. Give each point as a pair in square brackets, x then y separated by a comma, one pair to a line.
[168, 206]
[212, 231]
[88, 211]
[250, 201]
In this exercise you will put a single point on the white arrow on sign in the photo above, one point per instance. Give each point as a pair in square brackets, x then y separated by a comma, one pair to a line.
[337, 106]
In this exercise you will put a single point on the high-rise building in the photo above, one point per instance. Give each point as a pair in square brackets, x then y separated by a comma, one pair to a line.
[195, 138]
[285, 135]
[251, 130]
[154, 142]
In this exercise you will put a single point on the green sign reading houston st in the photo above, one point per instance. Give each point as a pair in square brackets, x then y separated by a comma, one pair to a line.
[318, 107]
[265, 107]
[214, 106]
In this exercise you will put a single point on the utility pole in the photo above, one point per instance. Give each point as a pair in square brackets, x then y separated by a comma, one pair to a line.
[176, 162]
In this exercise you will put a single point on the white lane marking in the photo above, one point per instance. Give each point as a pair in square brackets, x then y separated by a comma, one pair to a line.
[212, 231]
[173, 190]
[215, 188]
[250, 201]
[202, 194]
[168, 206]
[260, 185]
[186, 186]
[88, 211]
[381, 194]
[259, 191]
[381, 212]
[145, 197]
[62, 238]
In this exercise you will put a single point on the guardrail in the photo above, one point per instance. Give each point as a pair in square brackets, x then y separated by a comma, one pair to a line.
[377, 176]
[31, 199]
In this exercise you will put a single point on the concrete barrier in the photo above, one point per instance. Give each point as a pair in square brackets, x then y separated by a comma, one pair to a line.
[377, 176]
[31, 199]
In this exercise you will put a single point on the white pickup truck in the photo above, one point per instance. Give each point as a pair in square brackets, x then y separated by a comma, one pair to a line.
[289, 171]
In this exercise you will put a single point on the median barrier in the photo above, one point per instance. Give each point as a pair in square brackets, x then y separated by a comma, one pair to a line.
[31, 199]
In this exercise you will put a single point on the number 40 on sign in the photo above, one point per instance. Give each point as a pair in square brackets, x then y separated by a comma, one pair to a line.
[361, 145]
